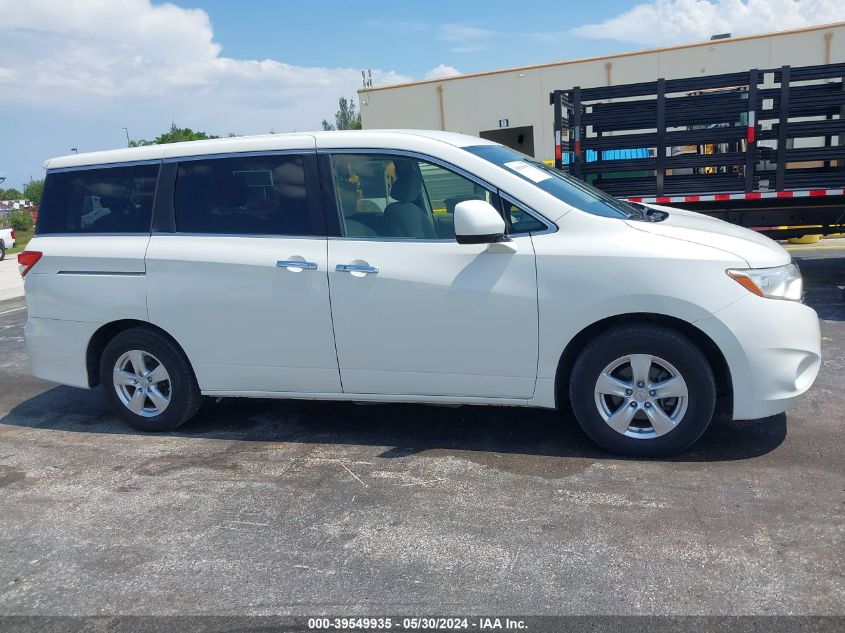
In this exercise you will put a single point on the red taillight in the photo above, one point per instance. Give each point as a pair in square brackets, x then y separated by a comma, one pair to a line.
[27, 260]
[13, 234]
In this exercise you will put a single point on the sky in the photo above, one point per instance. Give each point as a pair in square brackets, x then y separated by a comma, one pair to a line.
[74, 73]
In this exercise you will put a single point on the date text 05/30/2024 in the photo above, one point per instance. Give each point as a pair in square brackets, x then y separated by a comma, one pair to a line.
[417, 624]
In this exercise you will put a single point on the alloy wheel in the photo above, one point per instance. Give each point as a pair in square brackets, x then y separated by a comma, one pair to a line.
[641, 396]
[142, 383]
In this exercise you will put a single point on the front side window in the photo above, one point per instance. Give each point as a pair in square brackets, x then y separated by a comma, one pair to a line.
[253, 195]
[519, 220]
[399, 196]
[102, 200]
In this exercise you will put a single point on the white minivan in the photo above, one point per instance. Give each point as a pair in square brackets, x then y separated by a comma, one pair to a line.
[404, 266]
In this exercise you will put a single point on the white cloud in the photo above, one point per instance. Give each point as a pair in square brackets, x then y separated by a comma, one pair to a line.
[465, 38]
[676, 21]
[156, 62]
[442, 70]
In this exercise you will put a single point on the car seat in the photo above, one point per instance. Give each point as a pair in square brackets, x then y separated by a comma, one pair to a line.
[405, 218]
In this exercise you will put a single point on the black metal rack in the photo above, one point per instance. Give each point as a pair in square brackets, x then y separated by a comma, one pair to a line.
[754, 132]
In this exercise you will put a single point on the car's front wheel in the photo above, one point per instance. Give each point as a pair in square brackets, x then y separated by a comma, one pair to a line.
[643, 390]
[148, 380]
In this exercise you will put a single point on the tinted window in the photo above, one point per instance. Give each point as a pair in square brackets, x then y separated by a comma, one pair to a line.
[399, 196]
[107, 200]
[257, 195]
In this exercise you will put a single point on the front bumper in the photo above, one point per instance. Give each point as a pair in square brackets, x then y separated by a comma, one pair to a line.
[773, 350]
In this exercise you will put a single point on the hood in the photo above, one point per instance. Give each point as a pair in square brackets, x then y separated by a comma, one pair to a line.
[755, 248]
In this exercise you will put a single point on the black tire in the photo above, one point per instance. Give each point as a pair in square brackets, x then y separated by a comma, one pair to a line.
[663, 343]
[184, 393]
[2, 251]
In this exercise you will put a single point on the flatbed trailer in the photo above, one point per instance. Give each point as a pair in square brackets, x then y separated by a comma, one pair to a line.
[764, 148]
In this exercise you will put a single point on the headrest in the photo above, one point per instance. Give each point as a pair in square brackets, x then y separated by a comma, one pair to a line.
[408, 182]
[348, 197]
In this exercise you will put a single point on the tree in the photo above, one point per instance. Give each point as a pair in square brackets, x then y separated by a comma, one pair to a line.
[10, 194]
[33, 190]
[174, 135]
[346, 118]
[20, 220]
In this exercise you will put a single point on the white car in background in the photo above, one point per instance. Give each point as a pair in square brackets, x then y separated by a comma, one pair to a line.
[7, 241]
[404, 266]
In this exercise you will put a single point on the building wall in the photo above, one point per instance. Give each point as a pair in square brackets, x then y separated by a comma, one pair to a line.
[474, 103]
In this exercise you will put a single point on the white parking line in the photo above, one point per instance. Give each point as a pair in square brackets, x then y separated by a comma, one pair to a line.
[13, 310]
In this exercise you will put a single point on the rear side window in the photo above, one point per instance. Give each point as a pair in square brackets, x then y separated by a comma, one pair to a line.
[103, 200]
[255, 195]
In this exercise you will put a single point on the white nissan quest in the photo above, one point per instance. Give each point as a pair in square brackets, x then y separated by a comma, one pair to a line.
[404, 266]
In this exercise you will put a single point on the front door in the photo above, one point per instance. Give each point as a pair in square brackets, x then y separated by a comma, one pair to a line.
[416, 313]
[242, 284]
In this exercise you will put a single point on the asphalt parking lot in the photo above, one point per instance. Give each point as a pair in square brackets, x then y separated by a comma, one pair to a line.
[274, 507]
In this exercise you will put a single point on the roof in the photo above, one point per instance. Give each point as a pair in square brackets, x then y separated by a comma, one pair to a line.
[262, 143]
[582, 60]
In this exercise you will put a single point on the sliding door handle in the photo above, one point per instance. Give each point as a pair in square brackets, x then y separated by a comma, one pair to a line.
[355, 268]
[296, 265]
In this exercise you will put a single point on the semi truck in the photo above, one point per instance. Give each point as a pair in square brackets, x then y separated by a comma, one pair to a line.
[763, 148]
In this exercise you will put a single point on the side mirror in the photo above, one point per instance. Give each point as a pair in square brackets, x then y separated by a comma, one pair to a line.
[478, 222]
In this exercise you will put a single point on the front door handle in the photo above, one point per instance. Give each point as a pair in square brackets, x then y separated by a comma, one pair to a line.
[356, 268]
[296, 265]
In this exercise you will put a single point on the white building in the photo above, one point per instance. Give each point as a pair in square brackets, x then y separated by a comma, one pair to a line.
[14, 205]
[512, 106]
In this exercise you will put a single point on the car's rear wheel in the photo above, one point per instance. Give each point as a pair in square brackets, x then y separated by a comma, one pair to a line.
[2, 251]
[643, 391]
[148, 380]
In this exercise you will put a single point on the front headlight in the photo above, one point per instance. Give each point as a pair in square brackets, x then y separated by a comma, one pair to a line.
[781, 282]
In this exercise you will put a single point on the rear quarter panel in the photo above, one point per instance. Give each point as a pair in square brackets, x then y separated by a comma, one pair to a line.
[95, 279]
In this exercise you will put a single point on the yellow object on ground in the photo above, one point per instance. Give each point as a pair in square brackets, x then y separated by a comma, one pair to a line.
[804, 239]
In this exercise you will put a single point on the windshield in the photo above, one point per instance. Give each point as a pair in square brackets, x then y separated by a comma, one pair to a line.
[562, 186]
